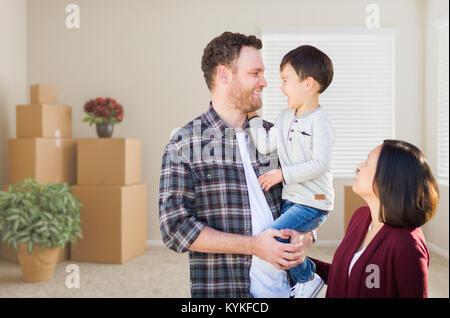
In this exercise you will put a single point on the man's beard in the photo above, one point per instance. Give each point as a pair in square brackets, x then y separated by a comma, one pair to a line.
[243, 99]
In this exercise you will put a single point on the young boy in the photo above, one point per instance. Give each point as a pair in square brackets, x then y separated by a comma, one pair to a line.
[303, 138]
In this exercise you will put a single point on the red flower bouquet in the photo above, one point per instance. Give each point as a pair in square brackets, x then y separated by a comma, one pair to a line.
[103, 110]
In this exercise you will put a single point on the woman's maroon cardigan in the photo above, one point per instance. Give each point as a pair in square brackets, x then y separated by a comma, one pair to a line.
[394, 264]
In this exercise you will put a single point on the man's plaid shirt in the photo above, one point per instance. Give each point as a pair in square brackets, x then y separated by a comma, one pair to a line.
[196, 191]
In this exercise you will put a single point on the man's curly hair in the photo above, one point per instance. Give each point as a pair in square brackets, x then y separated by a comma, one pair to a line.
[224, 49]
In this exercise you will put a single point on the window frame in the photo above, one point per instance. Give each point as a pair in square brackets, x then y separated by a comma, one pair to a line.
[439, 25]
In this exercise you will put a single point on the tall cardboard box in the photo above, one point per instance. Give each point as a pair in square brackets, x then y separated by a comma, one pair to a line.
[352, 202]
[43, 94]
[43, 120]
[45, 159]
[109, 161]
[113, 223]
[10, 255]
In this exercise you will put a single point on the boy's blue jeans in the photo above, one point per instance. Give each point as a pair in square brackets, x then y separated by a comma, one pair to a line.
[301, 218]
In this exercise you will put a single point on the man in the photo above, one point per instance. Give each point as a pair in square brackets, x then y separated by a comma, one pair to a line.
[210, 202]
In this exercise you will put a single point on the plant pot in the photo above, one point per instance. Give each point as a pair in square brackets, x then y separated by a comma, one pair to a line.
[37, 267]
[105, 129]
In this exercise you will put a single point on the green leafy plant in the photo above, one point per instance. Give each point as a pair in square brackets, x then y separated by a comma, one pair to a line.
[44, 214]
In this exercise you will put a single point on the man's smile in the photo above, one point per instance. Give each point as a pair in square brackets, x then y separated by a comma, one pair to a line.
[257, 92]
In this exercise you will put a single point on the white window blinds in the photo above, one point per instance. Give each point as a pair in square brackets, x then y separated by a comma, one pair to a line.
[442, 125]
[360, 100]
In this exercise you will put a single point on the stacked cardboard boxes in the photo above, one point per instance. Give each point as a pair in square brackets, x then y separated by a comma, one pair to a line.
[43, 148]
[352, 202]
[114, 212]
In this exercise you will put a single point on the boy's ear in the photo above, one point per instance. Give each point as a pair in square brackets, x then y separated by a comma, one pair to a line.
[312, 83]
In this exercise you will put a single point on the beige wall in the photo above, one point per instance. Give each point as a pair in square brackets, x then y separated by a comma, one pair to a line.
[12, 72]
[436, 231]
[147, 55]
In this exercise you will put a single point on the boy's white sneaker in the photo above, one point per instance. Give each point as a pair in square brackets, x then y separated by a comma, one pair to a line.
[309, 289]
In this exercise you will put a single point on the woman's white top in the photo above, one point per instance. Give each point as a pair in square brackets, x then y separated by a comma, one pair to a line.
[354, 259]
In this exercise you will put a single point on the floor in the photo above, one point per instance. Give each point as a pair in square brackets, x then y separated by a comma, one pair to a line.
[158, 273]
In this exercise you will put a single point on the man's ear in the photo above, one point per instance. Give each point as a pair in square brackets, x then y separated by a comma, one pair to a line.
[223, 74]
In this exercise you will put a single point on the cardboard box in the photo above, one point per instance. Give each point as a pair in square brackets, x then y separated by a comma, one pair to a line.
[8, 254]
[109, 161]
[113, 223]
[43, 94]
[352, 202]
[44, 159]
[43, 120]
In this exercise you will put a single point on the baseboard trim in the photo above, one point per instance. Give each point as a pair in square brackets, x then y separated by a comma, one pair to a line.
[156, 243]
[326, 243]
[438, 250]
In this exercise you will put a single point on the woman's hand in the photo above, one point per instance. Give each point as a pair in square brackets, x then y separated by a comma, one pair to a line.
[304, 240]
[269, 179]
[282, 256]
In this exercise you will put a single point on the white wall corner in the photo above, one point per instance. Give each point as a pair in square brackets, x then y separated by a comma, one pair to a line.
[436, 249]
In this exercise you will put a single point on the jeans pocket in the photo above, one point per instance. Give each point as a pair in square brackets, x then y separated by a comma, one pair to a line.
[286, 206]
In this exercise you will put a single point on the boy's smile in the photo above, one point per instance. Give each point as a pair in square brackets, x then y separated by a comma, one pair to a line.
[292, 87]
[301, 94]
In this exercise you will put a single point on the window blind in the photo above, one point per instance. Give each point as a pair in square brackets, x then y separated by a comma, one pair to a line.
[360, 100]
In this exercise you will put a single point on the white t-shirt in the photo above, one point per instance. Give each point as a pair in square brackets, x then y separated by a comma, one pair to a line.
[354, 259]
[265, 280]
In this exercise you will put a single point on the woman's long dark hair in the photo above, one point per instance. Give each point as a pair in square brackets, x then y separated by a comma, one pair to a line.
[405, 186]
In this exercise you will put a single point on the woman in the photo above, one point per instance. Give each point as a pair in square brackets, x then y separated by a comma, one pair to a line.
[383, 253]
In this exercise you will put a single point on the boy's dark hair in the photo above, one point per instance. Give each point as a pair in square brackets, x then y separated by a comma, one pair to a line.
[309, 61]
[224, 49]
[405, 186]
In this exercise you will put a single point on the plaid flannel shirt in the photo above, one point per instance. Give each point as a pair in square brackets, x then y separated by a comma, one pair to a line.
[194, 193]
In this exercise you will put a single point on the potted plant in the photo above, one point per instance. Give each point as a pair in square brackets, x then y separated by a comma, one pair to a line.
[36, 220]
[105, 113]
